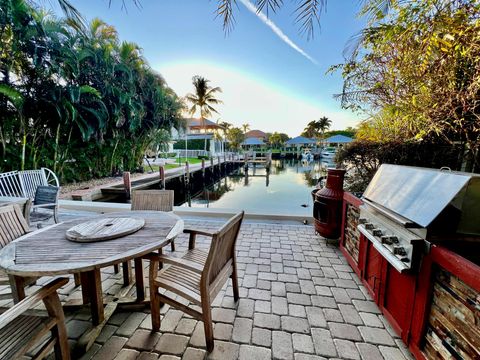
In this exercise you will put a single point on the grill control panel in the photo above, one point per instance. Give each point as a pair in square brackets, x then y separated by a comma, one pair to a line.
[399, 246]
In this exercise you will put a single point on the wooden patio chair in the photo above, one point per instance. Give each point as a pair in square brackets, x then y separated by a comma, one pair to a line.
[12, 226]
[155, 200]
[21, 332]
[46, 197]
[197, 276]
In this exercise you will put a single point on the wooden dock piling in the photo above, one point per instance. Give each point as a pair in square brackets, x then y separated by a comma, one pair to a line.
[127, 184]
[161, 171]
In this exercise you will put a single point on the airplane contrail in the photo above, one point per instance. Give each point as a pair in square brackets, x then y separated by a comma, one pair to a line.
[253, 9]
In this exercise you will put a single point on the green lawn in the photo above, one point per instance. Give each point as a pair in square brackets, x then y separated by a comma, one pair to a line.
[176, 165]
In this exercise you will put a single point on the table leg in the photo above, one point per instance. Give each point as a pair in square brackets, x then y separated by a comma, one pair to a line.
[92, 292]
[127, 273]
[139, 282]
[17, 284]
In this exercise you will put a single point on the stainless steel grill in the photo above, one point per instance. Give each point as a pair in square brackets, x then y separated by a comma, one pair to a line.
[407, 208]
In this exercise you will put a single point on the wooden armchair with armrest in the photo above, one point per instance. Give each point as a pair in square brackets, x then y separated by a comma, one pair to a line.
[21, 332]
[197, 276]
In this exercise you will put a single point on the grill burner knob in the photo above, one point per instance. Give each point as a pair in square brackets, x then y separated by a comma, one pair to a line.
[369, 226]
[394, 239]
[362, 221]
[377, 232]
[386, 240]
[398, 250]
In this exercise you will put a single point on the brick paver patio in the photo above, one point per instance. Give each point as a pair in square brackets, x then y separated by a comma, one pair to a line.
[299, 300]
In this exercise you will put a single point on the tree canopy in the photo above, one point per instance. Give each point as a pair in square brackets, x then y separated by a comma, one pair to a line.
[83, 103]
[416, 74]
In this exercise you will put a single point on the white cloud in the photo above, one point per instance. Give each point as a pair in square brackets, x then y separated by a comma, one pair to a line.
[251, 7]
[249, 100]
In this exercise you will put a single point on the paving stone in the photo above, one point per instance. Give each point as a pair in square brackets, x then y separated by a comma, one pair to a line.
[300, 299]
[278, 288]
[186, 326]
[172, 344]
[366, 306]
[308, 357]
[143, 340]
[222, 331]
[370, 319]
[153, 356]
[242, 330]
[323, 290]
[76, 328]
[266, 321]
[307, 287]
[350, 314]
[344, 331]
[263, 306]
[346, 349]
[168, 357]
[391, 353]
[107, 332]
[369, 352]
[248, 352]
[257, 294]
[264, 285]
[118, 318]
[246, 308]
[224, 351]
[315, 317]
[262, 337]
[282, 346]
[127, 354]
[302, 343]
[131, 324]
[293, 288]
[198, 336]
[223, 315]
[324, 301]
[111, 348]
[293, 324]
[376, 335]
[249, 281]
[333, 315]
[341, 295]
[89, 354]
[323, 342]
[297, 310]
[194, 354]
[170, 321]
[279, 305]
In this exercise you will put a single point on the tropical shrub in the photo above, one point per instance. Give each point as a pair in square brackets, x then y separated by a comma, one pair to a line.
[76, 99]
[364, 157]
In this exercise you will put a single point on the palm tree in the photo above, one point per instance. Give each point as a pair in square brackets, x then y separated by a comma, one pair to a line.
[245, 127]
[202, 100]
[324, 124]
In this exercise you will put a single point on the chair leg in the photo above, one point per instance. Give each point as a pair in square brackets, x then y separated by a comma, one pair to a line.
[208, 325]
[154, 297]
[234, 276]
[172, 245]
[76, 279]
[54, 308]
[55, 214]
[116, 268]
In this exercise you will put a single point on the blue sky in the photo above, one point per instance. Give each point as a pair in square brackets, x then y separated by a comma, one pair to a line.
[265, 81]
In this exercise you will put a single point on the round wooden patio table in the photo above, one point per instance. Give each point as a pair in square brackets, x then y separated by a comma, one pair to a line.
[47, 252]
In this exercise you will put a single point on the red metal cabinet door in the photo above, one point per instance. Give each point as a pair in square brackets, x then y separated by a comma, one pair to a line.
[397, 300]
[372, 274]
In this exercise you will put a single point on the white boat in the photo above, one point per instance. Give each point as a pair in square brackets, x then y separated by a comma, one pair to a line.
[307, 155]
[328, 153]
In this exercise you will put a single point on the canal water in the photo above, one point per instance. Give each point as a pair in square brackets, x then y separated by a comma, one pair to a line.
[285, 189]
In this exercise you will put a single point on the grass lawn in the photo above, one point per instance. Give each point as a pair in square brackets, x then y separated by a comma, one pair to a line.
[175, 165]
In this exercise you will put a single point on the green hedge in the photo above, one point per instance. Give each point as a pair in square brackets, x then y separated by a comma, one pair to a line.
[365, 157]
[197, 144]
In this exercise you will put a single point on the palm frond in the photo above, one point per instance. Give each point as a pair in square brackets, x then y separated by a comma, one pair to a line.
[268, 5]
[225, 11]
[308, 15]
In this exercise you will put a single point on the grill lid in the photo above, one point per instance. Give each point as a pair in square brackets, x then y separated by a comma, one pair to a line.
[421, 194]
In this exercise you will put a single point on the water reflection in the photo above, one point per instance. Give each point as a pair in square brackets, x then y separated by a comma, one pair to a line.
[284, 188]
